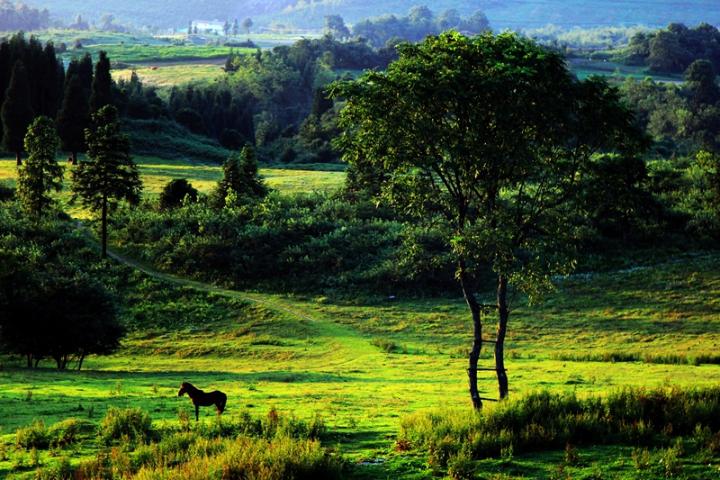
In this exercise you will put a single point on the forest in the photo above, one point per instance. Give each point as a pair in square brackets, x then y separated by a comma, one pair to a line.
[406, 247]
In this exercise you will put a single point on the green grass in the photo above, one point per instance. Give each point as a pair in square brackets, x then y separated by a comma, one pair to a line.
[585, 68]
[310, 355]
[165, 76]
[156, 173]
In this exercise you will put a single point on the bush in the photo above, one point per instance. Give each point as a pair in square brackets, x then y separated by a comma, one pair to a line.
[68, 432]
[33, 436]
[546, 421]
[129, 424]
[175, 192]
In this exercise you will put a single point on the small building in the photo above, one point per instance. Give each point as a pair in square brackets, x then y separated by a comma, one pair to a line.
[213, 27]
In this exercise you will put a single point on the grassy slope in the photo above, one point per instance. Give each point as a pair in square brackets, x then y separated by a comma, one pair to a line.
[313, 355]
[307, 355]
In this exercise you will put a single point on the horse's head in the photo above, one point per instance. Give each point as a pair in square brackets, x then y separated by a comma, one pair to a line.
[184, 388]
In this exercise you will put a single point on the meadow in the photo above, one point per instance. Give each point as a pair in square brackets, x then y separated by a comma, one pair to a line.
[365, 364]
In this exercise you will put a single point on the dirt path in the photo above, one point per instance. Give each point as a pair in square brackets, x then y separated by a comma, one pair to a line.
[358, 347]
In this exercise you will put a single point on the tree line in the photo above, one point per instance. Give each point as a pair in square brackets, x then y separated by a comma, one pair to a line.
[19, 16]
[416, 25]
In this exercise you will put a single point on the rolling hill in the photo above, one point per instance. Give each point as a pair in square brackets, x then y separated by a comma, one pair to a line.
[514, 14]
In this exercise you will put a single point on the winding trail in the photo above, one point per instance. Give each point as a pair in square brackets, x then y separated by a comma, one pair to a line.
[357, 346]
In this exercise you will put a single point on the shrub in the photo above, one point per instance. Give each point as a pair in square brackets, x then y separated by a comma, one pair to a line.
[62, 470]
[545, 420]
[68, 432]
[174, 193]
[33, 436]
[130, 424]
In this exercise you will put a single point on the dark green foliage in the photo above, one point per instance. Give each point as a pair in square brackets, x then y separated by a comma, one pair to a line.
[135, 100]
[241, 183]
[42, 87]
[701, 81]
[268, 95]
[74, 116]
[175, 193]
[418, 24]
[51, 304]
[164, 139]
[102, 84]
[544, 420]
[616, 200]
[672, 50]
[110, 175]
[41, 173]
[17, 112]
[232, 139]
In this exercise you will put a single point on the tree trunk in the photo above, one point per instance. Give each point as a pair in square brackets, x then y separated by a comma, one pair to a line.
[18, 158]
[477, 338]
[73, 158]
[28, 356]
[104, 228]
[80, 361]
[503, 316]
[37, 361]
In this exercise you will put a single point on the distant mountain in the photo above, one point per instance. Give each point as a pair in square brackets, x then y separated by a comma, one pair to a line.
[515, 14]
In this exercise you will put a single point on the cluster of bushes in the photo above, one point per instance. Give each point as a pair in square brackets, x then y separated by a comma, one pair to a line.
[273, 447]
[313, 241]
[545, 421]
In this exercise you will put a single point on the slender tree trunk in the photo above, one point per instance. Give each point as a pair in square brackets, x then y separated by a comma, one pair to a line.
[503, 316]
[18, 158]
[73, 158]
[104, 228]
[37, 361]
[477, 338]
[80, 361]
[28, 356]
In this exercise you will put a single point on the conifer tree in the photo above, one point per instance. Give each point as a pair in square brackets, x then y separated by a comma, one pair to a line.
[241, 181]
[41, 173]
[110, 175]
[101, 84]
[74, 117]
[16, 111]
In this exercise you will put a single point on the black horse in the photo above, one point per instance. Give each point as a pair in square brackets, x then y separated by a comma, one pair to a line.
[202, 399]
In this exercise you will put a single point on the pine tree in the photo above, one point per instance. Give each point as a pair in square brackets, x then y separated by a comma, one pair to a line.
[74, 117]
[241, 181]
[236, 27]
[110, 175]
[17, 111]
[51, 82]
[102, 84]
[41, 173]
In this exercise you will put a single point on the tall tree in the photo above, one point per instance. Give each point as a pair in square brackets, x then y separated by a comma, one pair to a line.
[41, 173]
[241, 181]
[17, 112]
[102, 84]
[247, 25]
[484, 138]
[236, 27]
[74, 117]
[110, 175]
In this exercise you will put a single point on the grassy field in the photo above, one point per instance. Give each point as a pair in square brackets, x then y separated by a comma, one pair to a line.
[165, 76]
[584, 68]
[364, 366]
[156, 173]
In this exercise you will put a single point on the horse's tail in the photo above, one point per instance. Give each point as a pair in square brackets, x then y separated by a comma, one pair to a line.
[222, 402]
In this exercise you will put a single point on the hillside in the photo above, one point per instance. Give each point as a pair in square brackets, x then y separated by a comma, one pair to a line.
[515, 14]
